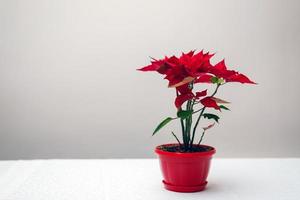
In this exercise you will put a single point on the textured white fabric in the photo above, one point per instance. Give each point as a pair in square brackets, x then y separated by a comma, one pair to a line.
[140, 179]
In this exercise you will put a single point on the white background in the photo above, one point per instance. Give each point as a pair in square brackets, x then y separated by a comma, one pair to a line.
[69, 86]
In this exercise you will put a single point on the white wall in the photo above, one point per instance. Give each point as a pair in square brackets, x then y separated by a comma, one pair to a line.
[69, 88]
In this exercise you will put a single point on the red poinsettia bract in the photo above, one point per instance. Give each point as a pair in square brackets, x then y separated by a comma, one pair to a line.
[194, 68]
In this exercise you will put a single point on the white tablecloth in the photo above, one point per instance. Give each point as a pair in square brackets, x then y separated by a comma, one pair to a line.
[131, 179]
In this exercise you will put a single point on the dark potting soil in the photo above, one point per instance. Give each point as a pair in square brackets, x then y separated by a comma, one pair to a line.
[180, 149]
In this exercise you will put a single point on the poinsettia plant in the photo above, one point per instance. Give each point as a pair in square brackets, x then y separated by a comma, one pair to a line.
[183, 74]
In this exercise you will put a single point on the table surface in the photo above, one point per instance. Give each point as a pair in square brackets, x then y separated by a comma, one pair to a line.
[115, 179]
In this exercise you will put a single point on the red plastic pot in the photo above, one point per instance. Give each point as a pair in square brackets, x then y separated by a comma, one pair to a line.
[185, 172]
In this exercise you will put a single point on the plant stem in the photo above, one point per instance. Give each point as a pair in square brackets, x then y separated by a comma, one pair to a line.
[183, 131]
[201, 138]
[188, 125]
[216, 90]
[199, 117]
[195, 127]
[188, 121]
[182, 124]
[198, 110]
[176, 138]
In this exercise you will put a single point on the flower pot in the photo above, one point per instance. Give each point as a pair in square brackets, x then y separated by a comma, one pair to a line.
[185, 172]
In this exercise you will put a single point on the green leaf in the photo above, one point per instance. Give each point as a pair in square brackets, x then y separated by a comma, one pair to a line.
[162, 124]
[211, 116]
[223, 107]
[183, 114]
[214, 79]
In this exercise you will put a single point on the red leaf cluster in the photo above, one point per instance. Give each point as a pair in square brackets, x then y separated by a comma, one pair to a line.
[193, 68]
[220, 70]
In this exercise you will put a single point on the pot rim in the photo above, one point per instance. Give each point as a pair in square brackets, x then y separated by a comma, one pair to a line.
[180, 154]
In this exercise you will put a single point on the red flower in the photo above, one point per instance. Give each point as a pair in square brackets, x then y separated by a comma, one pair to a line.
[206, 78]
[201, 94]
[197, 64]
[183, 89]
[188, 95]
[180, 71]
[178, 76]
[157, 65]
[194, 68]
[210, 103]
[180, 99]
[220, 70]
